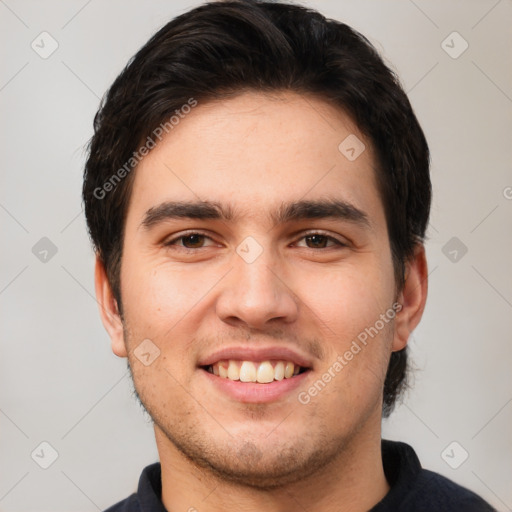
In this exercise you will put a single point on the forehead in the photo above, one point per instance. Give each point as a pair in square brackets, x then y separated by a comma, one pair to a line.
[257, 150]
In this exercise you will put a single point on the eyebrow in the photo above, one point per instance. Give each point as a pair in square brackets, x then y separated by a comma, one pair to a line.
[287, 212]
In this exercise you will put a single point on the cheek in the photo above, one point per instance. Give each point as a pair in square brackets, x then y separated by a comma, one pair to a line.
[157, 296]
[167, 304]
[162, 388]
[350, 298]
[347, 305]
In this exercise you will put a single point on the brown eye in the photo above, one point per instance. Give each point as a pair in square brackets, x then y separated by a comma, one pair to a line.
[193, 241]
[320, 241]
[190, 241]
[317, 241]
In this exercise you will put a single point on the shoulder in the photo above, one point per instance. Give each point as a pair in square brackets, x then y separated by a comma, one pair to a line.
[130, 504]
[421, 490]
[148, 495]
[433, 491]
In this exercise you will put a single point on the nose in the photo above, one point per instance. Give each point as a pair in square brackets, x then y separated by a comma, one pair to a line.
[257, 294]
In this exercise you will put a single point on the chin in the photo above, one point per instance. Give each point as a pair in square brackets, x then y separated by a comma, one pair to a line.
[260, 464]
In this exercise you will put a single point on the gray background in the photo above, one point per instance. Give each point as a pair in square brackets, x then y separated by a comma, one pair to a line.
[59, 381]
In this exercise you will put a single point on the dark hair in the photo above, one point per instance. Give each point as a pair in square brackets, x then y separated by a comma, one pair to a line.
[223, 48]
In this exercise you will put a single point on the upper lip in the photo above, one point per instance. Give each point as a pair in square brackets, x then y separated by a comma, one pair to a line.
[256, 354]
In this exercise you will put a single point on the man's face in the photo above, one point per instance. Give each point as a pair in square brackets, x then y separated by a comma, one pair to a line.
[259, 287]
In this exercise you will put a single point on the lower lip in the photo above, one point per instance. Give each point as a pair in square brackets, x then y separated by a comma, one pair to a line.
[253, 392]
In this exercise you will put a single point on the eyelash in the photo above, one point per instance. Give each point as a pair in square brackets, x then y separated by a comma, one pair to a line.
[329, 238]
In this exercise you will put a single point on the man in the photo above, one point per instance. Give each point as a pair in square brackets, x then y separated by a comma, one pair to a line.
[257, 191]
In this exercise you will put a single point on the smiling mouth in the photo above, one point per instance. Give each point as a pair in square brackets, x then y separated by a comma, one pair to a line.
[262, 372]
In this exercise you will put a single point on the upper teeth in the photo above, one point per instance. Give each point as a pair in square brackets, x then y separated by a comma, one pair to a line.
[249, 371]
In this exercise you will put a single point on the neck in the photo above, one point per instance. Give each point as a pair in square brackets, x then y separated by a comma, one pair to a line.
[353, 482]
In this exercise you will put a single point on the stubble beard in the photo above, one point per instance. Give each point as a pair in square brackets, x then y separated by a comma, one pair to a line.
[244, 462]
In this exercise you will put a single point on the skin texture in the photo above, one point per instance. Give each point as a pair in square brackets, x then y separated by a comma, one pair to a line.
[254, 152]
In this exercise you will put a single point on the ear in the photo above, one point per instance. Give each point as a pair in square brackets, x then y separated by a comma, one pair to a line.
[109, 310]
[412, 298]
